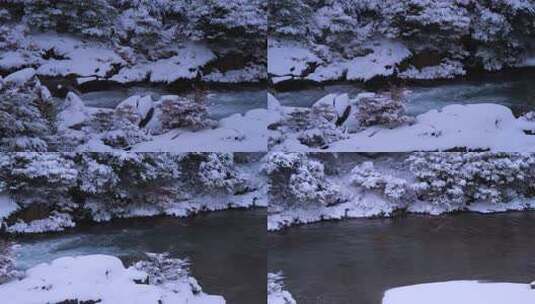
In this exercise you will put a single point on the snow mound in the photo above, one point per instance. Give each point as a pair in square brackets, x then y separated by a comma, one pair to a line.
[99, 278]
[20, 77]
[229, 136]
[291, 60]
[74, 112]
[461, 292]
[386, 54]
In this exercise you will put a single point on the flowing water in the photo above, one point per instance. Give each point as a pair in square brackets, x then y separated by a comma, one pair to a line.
[220, 104]
[511, 93]
[227, 249]
[355, 261]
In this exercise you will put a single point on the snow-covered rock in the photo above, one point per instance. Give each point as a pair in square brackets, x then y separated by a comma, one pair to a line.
[73, 113]
[20, 77]
[98, 278]
[461, 292]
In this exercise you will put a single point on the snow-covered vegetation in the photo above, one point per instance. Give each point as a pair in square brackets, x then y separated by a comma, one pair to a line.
[7, 263]
[340, 185]
[54, 191]
[378, 122]
[104, 279]
[132, 41]
[275, 290]
[415, 39]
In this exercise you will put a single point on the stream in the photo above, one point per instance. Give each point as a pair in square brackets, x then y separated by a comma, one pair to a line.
[227, 249]
[512, 93]
[356, 261]
[220, 103]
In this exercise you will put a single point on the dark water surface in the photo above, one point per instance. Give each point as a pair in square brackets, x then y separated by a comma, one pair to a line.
[227, 249]
[355, 261]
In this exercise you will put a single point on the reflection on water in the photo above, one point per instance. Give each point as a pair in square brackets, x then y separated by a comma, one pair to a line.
[220, 103]
[227, 249]
[355, 261]
[511, 93]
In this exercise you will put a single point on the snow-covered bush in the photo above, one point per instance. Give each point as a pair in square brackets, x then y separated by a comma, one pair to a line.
[490, 34]
[391, 187]
[120, 179]
[7, 263]
[162, 269]
[297, 180]
[456, 179]
[123, 134]
[275, 289]
[181, 112]
[382, 109]
[213, 172]
[218, 172]
[39, 178]
[322, 129]
[26, 113]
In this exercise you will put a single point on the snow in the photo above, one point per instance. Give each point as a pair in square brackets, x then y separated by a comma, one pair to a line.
[79, 58]
[73, 113]
[184, 65]
[12, 60]
[461, 292]
[484, 126]
[276, 292]
[56, 222]
[98, 278]
[7, 206]
[386, 54]
[20, 77]
[237, 133]
[289, 59]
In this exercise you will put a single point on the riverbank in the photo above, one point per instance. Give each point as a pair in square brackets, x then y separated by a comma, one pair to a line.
[104, 279]
[335, 123]
[236, 272]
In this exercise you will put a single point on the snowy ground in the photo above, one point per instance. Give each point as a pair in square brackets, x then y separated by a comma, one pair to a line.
[102, 279]
[461, 292]
[288, 60]
[484, 126]
[91, 60]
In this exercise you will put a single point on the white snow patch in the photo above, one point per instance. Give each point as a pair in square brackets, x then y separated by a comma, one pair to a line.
[284, 60]
[20, 77]
[244, 133]
[184, 65]
[386, 54]
[97, 278]
[461, 292]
